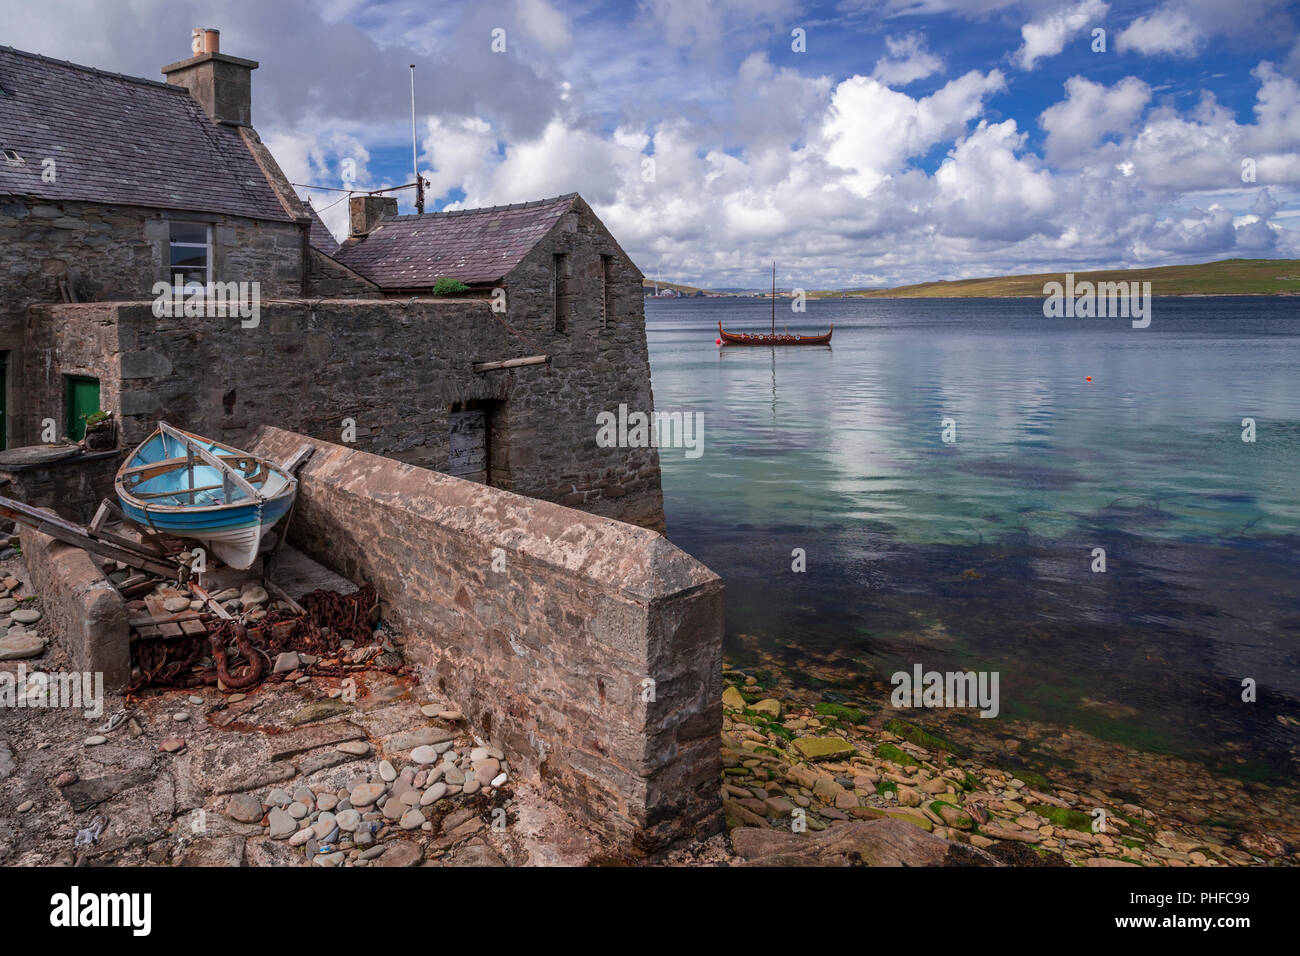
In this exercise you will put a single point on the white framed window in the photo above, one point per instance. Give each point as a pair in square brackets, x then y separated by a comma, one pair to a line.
[190, 253]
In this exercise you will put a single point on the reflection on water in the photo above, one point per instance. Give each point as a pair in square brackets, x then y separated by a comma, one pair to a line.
[978, 553]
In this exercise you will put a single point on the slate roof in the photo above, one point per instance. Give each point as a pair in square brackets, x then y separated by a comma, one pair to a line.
[320, 237]
[122, 140]
[472, 245]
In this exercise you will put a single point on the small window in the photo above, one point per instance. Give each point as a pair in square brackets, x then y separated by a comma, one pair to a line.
[191, 253]
[607, 291]
[12, 158]
[560, 287]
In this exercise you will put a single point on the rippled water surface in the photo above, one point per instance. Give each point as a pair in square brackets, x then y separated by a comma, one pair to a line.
[978, 553]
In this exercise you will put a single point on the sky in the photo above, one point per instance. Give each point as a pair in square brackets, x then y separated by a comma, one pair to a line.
[859, 143]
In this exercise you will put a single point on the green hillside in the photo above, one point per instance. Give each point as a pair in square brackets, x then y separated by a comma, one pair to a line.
[1229, 277]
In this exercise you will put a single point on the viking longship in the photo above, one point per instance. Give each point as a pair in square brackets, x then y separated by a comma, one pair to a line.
[758, 338]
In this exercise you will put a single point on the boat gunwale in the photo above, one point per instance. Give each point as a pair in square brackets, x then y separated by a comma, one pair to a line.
[259, 500]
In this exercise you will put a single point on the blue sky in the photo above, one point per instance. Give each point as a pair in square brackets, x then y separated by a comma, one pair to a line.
[908, 140]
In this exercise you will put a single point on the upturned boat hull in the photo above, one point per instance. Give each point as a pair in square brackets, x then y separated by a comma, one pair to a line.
[180, 484]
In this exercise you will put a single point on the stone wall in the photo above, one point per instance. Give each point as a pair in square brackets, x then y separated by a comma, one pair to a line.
[593, 656]
[47, 476]
[328, 278]
[608, 348]
[86, 614]
[395, 369]
[117, 253]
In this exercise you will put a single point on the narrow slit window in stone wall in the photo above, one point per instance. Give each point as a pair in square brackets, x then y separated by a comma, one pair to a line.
[559, 286]
[607, 291]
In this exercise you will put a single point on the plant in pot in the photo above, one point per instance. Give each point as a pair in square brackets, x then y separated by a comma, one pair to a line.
[101, 432]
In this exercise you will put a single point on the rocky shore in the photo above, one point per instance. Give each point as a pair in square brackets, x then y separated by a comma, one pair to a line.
[798, 764]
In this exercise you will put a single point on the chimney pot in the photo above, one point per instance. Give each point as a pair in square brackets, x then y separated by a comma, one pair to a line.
[222, 84]
[205, 40]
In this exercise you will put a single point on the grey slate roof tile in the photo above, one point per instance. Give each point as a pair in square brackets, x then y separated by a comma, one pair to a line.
[122, 140]
[320, 237]
[472, 245]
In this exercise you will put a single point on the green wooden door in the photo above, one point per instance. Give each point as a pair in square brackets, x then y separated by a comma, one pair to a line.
[83, 401]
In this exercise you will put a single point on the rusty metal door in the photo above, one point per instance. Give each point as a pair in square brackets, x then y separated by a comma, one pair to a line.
[468, 440]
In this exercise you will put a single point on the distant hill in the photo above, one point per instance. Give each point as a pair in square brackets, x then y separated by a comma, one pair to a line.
[1229, 277]
[649, 285]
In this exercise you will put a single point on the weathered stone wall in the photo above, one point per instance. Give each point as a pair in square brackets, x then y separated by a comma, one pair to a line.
[327, 278]
[593, 657]
[394, 368]
[117, 253]
[86, 614]
[609, 347]
[72, 486]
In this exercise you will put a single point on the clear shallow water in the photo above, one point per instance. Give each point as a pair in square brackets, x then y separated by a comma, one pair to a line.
[977, 554]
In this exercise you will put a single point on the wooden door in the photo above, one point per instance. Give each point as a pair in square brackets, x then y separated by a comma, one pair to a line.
[468, 440]
[82, 402]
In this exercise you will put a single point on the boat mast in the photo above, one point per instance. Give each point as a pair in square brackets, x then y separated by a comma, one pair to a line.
[774, 297]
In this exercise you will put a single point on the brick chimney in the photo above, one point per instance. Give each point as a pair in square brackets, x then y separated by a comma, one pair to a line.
[365, 212]
[222, 84]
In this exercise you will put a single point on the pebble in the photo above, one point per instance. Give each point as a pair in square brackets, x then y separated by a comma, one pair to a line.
[17, 645]
[301, 837]
[281, 824]
[498, 780]
[180, 716]
[387, 771]
[236, 698]
[176, 604]
[253, 595]
[286, 662]
[172, 745]
[195, 699]
[297, 810]
[358, 748]
[326, 801]
[425, 754]
[25, 615]
[433, 794]
[96, 740]
[66, 779]
[26, 805]
[348, 820]
[412, 819]
[245, 808]
[366, 794]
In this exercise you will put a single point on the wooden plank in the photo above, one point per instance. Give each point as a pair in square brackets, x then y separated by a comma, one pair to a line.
[178, 618]
[512, 363]
[279, 592]
[206, 598]
[149, 631]
[170, 630]
[193, 628]
[101, 516]
[75, 535]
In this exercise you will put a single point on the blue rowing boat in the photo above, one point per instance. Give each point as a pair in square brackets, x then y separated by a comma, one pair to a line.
[180, 484]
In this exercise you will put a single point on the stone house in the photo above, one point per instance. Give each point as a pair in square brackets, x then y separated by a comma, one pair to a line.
[110, 185]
